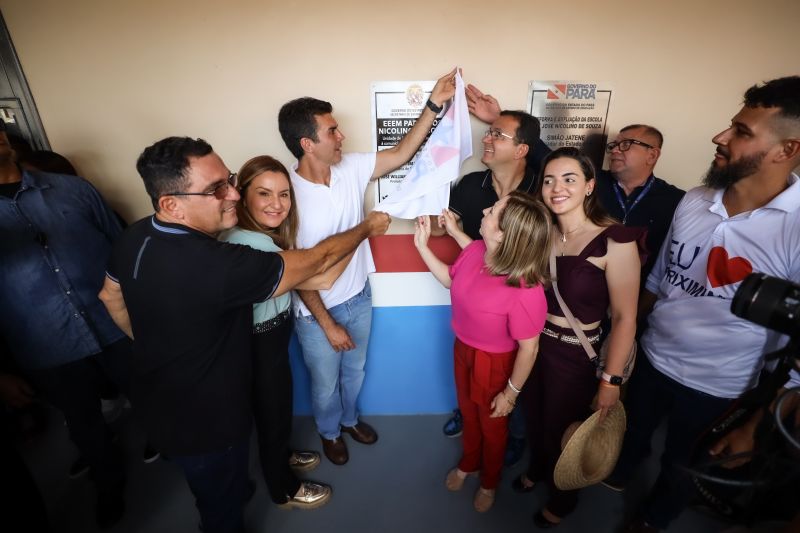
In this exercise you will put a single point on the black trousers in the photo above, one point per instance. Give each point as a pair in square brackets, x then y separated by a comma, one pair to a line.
[559, 392]
[21, 506]
[75, 389]
[652, 396]
[272, 398]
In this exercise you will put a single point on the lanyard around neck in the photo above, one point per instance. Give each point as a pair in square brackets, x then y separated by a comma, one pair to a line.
[625, 208]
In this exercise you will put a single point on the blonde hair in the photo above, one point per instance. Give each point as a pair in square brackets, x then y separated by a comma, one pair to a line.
[523, 253]
[285, 235]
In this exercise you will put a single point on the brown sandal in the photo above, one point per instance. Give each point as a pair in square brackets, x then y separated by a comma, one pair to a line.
[454, 482]
[484, 499]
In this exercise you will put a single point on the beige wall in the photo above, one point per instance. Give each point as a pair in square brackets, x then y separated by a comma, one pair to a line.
[111, 77]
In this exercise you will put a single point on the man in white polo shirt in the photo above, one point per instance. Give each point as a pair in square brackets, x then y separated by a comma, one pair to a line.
[333, 326]
[698, 356]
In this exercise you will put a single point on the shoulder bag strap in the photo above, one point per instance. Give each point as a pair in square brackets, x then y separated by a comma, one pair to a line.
[573, 322]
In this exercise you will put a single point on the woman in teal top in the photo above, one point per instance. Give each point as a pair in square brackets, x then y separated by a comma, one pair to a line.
[268, 221]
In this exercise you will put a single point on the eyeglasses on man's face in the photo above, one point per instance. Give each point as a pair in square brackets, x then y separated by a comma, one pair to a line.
[496, 134]
[625, 145]
[218, 191]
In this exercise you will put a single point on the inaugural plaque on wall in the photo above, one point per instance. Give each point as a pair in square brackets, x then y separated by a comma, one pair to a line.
[572, 113]
[396, 105]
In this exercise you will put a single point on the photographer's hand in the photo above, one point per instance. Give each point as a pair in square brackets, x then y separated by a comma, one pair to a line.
[742, 439]
[739, 440]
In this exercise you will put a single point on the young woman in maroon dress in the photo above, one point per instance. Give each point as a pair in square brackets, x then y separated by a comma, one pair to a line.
[598, 264]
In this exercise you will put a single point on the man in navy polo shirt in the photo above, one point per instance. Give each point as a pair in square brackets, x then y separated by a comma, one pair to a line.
[186, 300]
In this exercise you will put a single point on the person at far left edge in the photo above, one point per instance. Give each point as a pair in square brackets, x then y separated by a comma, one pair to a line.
[56, 233]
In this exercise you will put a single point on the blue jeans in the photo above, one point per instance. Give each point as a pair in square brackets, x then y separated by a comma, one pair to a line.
[220, 486]
[651, 397]
[336, 377]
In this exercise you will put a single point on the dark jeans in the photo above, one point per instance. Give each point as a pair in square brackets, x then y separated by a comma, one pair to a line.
[75, 389]
[272, 409]
[220, 486]
[651, 397]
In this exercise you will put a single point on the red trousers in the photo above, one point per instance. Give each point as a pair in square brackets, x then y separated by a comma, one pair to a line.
[480, 376]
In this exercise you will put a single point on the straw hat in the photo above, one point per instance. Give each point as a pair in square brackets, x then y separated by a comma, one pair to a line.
[590, 450]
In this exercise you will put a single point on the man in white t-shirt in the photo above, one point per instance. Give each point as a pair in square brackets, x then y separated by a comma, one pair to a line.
[333, 325]
[698, 357]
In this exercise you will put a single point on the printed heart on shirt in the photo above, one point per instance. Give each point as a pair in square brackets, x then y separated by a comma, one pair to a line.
[723, 271]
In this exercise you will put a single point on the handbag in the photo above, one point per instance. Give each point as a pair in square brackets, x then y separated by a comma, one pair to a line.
[598, 360]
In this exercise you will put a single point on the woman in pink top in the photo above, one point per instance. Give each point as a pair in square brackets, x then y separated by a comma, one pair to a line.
[498, 308]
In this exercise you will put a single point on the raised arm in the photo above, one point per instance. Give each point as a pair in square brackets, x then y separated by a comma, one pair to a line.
[398, 155]
[325, 280]
[422, 233]
[300, 265]
[485, 107]
[111, 296]
[623, 269]
[449, 221]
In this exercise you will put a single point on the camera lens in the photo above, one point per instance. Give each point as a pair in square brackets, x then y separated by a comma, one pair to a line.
[771, 302]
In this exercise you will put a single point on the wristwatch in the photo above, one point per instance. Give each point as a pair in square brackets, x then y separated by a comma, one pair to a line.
[433, 107]
[613, 380]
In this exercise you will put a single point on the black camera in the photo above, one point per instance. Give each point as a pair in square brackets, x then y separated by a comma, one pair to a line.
[770, 302]
[765, 488]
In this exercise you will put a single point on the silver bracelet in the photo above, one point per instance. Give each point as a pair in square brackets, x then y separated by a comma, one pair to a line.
[513, 387]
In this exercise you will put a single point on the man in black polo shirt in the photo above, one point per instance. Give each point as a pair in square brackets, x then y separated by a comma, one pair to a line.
[507, 147]
[187, 300]
[628, 190]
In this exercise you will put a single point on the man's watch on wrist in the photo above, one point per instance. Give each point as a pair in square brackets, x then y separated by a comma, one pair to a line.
[433, 107]
[611, 380]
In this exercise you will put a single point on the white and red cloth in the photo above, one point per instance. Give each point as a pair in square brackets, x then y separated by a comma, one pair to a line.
[426, 188]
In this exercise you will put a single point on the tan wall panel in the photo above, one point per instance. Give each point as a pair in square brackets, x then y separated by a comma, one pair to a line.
[111, 77]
